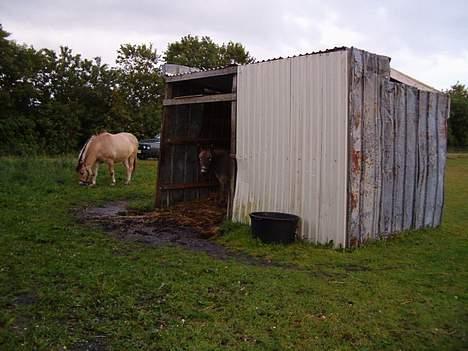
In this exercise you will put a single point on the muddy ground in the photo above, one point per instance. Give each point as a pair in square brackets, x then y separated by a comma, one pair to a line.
[190, 225]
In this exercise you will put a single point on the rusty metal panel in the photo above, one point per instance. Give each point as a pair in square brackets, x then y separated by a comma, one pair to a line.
[368, 171]
[292, 142]
[397, 156]
[370, 146]
[355, 146]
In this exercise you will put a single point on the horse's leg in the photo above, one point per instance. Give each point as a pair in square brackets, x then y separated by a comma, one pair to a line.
[95, 172]
[110, 165]
[128, 163]
[131, 165]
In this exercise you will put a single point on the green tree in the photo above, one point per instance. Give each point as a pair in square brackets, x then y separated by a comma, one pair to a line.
[203, 53]
[76, 95]
[236, 53]
[50, 102]
[18, 96]
[458, 121]
[136, 100]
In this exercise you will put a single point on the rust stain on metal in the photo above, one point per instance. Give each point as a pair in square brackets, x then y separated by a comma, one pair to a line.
[356, 158]
[357, 119]
[354, 200]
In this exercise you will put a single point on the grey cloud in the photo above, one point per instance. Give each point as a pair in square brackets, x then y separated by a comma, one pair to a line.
[267, 28]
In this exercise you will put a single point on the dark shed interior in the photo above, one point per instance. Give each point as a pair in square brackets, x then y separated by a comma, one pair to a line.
[198, 111]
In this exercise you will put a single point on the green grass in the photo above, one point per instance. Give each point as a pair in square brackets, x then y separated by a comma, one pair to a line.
[62, 284]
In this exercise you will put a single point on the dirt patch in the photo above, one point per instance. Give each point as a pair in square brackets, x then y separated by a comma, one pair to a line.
[25, 299]
[98, 344]
[190, 225]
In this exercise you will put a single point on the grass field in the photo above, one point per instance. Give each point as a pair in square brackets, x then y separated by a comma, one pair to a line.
[64, 286]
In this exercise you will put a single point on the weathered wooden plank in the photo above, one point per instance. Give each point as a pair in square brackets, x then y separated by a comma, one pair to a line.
[369, 148]
[421, 177]
[388, 139]
[355, 146]
[195, 130]
[200, 99]
[442, 114]
[383, 70]
[411, 151]
[431, 184]
[202, 74]
[178, 161]
[399, 157]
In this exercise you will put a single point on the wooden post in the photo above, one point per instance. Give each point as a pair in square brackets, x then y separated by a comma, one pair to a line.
[233, 168]
[163, 148]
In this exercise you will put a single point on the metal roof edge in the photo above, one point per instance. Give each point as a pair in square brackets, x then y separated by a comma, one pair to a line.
[406, 79]
[340, 48]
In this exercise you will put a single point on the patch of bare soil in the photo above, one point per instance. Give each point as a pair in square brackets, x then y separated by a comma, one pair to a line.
[96, 344]
[190, 225]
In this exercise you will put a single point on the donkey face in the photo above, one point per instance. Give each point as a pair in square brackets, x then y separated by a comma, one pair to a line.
[205, 157]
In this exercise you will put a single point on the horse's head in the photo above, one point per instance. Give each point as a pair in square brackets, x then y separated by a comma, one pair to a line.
[205, 157]
[83, 170]
[85, 173]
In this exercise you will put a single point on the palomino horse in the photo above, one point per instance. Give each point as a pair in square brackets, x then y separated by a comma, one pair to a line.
[218, 160]
[108, 148]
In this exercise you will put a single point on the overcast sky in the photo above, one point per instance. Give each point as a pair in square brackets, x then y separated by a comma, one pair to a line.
[425, 39]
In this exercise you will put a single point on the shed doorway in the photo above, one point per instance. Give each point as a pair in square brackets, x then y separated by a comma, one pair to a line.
[199, 111]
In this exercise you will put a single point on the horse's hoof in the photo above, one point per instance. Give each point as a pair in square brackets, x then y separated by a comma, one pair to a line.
[112, 184]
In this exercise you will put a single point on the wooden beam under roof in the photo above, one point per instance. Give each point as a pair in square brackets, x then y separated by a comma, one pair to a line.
[199, 99]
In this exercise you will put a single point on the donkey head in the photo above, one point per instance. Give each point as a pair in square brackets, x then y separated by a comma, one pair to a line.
[205, 157]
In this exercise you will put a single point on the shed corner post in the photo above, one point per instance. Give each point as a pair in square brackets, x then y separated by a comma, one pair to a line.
[348, 198]
[233, 166]
[168, 93]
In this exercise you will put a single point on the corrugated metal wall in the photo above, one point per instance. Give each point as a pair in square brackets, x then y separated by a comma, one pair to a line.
[397, 152]
[292, 142]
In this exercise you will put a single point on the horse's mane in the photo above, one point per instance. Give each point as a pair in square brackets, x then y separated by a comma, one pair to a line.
[82, 154]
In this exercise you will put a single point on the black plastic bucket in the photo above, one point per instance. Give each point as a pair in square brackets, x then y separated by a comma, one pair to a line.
[274, 227]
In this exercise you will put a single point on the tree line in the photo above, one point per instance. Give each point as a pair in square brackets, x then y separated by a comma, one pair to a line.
[51, 102]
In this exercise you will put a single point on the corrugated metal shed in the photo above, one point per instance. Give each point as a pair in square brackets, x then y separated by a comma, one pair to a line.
[355, 149]
[292, 142]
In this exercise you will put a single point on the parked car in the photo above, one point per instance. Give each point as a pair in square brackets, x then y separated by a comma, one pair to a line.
[149, 148]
